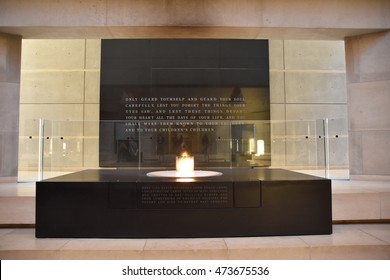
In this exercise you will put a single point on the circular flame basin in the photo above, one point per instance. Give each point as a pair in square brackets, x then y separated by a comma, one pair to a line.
[193, 174]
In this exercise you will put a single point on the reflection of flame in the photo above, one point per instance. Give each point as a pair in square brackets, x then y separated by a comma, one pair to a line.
[185, 180]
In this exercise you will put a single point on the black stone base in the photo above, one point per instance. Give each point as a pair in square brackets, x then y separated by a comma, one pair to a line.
[127, 203]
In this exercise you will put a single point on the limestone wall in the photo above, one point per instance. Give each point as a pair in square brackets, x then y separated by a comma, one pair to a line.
[308, 85]
[9, 105]
[368, 103]
[60, 82]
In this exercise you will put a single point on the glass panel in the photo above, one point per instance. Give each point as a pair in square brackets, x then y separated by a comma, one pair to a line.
[261, 155]
[127, 146]
[321, 148]
[29, 166]
[161, 142]
[63, 147]
[337, 149]
[69, 146]
[304, 147]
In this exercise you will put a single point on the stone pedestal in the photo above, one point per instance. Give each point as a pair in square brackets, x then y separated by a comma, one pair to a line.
[125, 203]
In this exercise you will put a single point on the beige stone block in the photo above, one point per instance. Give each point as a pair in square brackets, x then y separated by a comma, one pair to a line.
[375, 145]
[338, 143]
[278, 151]
[352, 59]
[303, 129]
[17, 210]
[305, 143]
[356, 206]
[58, 112]
[355, 153]
[22, 244]
[343, 235]
[270, 248]
[184, 13]
[91, 112]
[385, 208]
[60, 128]
[18, 189]
[103, 249]
[92, 86]
[67, 129]
[10, 57]
[276, 54]
[367, 57]
[368, 105]
[28, 127]
[63, 152]
[301, 152]
[55, 13]
[4, 231]
[91, 151]
[29, 254]
[91, 135]
[315, 87]
[352, 252]
[3, 58]
[52, 87]
[93, 54]
[28, 153]
[53, 54]
[329, 14]
[278, 135]
[315, 111]
[374, 57]
[9, 152]
[91, 120]
[278, 114]
[201, 248]
[186, 32]
[63, 137]
[277, 87]
[338, 152]
[380, 231]
[314, 55]
[9, 107]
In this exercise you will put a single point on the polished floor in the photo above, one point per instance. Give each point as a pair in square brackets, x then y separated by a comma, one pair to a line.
[353, 201]
[358, 241]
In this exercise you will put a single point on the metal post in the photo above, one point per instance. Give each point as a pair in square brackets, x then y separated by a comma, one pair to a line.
[41, 148]
[139, 145]
[326, 148]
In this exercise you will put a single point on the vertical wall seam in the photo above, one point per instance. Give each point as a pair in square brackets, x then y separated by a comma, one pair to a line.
[285, 105]
[84, 72]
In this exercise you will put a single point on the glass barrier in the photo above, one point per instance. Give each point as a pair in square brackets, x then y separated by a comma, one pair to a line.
[63, 150]
[30, 165]
[50, 148]
[336, 148]
[298, 145]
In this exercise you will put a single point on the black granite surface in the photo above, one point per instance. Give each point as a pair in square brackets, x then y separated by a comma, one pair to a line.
[129, 204]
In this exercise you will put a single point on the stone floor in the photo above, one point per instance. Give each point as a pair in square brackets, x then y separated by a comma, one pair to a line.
[358, 241]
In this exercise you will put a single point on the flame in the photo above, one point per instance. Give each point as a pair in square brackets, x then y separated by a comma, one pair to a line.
[185, 154]
[185, 165]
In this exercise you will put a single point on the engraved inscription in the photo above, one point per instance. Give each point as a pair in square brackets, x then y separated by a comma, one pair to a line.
[198, 108]
[171, 196]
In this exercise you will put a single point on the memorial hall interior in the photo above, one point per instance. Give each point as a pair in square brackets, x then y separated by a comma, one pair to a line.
[329, 91]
